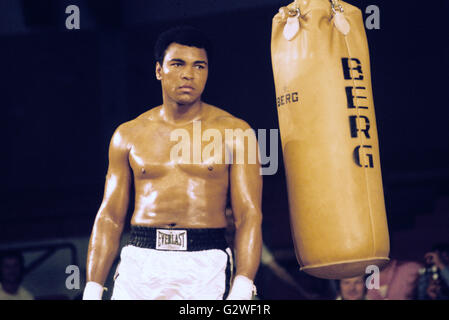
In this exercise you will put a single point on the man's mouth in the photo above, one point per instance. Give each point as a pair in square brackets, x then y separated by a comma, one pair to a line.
[186, 88]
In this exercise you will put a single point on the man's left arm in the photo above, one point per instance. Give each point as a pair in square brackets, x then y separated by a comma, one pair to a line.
[246, 199]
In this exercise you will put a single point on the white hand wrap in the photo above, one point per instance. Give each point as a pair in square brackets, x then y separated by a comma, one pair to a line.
[93, 291]
[242, 289]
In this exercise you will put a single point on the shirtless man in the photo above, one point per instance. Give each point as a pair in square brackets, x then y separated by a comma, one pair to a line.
[177, 247]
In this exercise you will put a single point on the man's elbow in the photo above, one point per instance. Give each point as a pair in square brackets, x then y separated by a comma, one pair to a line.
[106, 220]
[250, 219]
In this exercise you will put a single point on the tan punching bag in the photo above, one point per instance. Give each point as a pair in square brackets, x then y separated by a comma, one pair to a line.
[329, 140]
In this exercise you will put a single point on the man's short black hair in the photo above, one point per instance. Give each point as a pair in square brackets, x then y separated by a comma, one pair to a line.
[338, 281]
[8, 254]
[441, 247]
[11, 254]
[184, 35]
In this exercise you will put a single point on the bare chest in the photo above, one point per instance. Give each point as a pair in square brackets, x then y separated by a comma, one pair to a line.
[192, 150]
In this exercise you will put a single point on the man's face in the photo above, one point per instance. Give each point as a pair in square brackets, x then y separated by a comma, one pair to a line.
[444, 256]
[352, 288]
[183, 73]
[10, 269]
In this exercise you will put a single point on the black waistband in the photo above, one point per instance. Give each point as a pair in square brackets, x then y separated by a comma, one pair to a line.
[197, 239]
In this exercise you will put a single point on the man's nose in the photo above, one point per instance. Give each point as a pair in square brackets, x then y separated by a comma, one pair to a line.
[187, 73]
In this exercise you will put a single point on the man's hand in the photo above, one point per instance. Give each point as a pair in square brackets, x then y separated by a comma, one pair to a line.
[434, 258]
[242, 289]
[93, 291]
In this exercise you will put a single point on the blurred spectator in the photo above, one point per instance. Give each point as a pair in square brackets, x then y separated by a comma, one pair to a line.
[397, 281]
[433, 281]
[352, 288]
[11, 274]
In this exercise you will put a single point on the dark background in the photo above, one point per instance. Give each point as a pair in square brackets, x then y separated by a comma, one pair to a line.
[63, 93]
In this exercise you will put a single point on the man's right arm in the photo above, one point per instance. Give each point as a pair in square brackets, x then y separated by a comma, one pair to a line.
[105, 238]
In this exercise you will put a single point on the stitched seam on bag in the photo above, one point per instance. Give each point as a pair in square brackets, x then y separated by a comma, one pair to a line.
[364, 169]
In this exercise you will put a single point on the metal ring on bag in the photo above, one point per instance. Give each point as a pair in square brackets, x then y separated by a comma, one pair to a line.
[294, 13]
[335, 4]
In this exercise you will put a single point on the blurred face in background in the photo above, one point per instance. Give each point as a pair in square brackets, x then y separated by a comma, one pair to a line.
[444, 256]
[11, 270]
[352, 288]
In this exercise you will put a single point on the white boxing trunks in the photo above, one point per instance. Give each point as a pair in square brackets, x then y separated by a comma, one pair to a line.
[173, 264]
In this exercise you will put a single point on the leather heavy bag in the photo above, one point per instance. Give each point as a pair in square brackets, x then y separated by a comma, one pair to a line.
[329, 140]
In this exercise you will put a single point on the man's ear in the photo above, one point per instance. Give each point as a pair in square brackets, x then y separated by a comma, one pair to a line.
[158, 71]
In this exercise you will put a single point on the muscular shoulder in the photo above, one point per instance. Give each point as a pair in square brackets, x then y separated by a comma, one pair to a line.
[122, 137]
[226, 120]
[130, 128]
[150, 115]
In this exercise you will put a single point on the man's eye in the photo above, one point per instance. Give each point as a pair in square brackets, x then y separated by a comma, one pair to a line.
[200, 67]
[176, 64]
